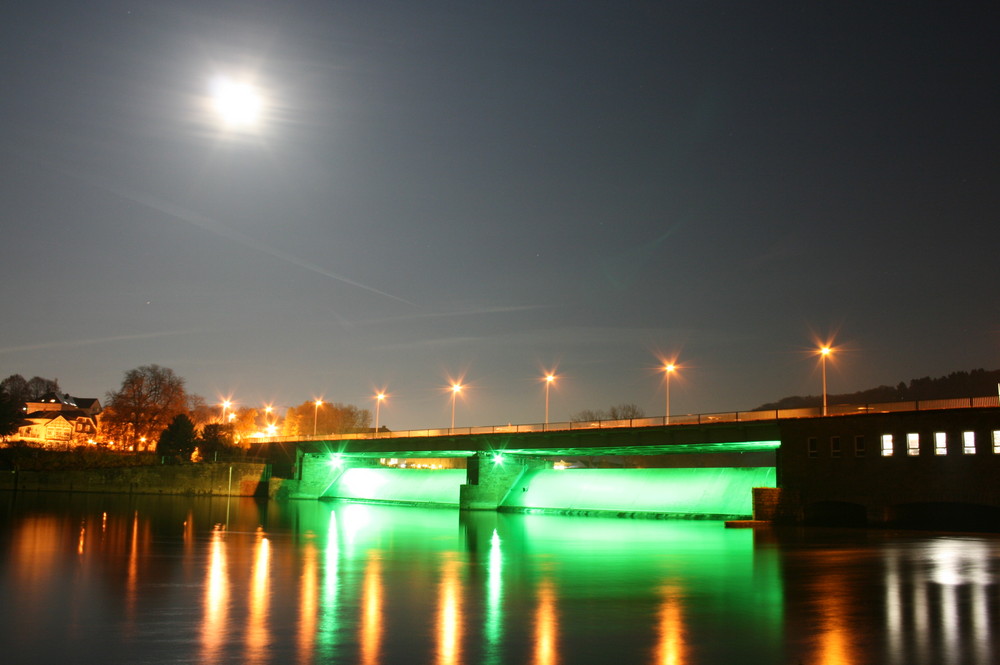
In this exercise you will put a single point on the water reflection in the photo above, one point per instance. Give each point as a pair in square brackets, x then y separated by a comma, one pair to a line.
[371, 611]
[331, 582]
[546, 625]
[670, 646]
[216, 600]
[449, 616]
[938, 601]
[308, 607]
[257, 624]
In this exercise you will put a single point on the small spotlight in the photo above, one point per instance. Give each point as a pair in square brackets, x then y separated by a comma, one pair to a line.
[498, 459]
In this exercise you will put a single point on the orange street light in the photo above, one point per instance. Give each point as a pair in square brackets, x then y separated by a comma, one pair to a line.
[225, 407]
[379, 397]
[823, 353]
[318, 403]
[668, 369]
[549, 378]
[455, 389]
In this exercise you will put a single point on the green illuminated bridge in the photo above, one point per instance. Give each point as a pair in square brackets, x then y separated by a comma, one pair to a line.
[859, 464]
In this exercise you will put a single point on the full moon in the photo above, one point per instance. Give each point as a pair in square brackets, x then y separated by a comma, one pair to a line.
[237, 103]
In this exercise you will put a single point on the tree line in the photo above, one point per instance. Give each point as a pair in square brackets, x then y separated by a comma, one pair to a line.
[976, 383]
[152, 410]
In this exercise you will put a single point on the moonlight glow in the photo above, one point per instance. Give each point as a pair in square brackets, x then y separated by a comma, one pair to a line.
[237, 103]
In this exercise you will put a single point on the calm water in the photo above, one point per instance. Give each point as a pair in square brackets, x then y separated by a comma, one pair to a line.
[113, 579]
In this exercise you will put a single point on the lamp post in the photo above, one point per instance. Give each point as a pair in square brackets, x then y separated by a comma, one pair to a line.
[225, 407]
[549, 378]
[823, 353]
[455, 389]
[378, 405]
[316, 406]
[668, 369]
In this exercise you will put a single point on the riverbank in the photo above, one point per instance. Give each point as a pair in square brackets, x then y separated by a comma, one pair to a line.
[203, 479]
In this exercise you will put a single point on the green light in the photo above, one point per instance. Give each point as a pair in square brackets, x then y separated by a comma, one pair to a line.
[720, 492]
[497, 458]
[336, 461]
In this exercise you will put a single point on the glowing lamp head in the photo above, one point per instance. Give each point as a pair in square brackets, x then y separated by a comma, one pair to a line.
[549, 378]
[456, 387]
[825, 351]
[380, 396]
[318, 402]
[669, 367]
[497, 459]
[336, 461]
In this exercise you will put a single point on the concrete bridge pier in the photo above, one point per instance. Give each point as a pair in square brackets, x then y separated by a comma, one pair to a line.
[490, 476]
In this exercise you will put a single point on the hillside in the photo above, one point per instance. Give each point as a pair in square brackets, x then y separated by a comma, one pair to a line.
[977, 383]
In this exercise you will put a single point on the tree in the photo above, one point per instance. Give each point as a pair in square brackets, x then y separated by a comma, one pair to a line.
[37, 386]
[149, 398]
[617, 412]
[330, 418]
[178, 439]
[20, 390]
[215, 438]
[626, 412]
[10, 415]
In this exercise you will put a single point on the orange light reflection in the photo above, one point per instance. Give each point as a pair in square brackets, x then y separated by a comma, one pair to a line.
[257, 629]
[670, 648]
[449, 621]
[307, 609]
[371, 611]
[216, 600]
[546, 625]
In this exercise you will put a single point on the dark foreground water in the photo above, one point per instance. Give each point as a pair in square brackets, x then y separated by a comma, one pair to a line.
[117, 579]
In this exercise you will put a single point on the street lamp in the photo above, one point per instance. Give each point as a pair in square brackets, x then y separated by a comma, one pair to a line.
[823, 353]
[225, 407]
[455, 389]
[549, 378]
[668, 369]
[316, 406]
[378, 405]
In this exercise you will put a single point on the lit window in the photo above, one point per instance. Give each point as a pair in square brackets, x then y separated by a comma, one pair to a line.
[912, 444]
[940, 443]
[834, 446]
[996, 442]
[859, 445]
[887, 445]
[969, 443]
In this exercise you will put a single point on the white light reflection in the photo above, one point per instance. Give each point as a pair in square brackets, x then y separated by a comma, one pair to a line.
[331, 583]
[494, 599]
[941, 610]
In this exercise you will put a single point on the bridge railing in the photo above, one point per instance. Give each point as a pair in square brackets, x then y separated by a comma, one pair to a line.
[660, 421]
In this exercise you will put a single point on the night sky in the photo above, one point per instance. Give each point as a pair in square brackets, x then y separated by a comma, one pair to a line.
[435, 190]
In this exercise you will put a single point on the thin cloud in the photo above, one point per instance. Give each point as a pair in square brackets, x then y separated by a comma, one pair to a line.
[220, 229]
[69, 344]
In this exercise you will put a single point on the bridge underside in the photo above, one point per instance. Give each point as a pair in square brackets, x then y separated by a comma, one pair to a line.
[674, 472]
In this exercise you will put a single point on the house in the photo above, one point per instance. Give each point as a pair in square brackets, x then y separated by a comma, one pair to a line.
[60, 420]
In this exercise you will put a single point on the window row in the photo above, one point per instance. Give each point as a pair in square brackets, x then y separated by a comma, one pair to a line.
[913, 442]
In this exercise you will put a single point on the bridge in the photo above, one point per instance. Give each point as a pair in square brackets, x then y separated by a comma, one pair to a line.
[887, 464]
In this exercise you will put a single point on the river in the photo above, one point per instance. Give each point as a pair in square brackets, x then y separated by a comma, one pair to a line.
[144, 579]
